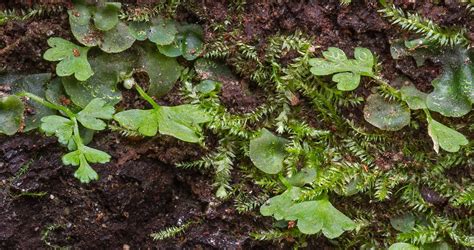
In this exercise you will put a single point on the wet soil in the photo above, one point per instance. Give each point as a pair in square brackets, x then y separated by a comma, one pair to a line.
[140, 191]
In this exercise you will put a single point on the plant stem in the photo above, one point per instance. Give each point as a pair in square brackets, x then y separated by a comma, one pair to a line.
[145, 96]
[50, 105]
[77, 135]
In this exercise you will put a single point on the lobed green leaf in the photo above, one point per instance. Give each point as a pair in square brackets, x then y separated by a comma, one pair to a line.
[90, 117]
[445, 137]
[73, 58]
[348, 71]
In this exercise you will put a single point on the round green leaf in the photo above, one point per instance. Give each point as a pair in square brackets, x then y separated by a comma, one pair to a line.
[163, 71]
[162, 32]
[11, 114]
[174, 49]
[207, 86]
[386, 115]
[402, 246]
[86, 34]
[267, 152]
[79, 15]
[106, 17]
[403, 223]
[117, 39]
[139, 30]
[191, 46]
[83, 31]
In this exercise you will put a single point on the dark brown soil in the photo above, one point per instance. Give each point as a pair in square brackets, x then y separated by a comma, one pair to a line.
[140, 191]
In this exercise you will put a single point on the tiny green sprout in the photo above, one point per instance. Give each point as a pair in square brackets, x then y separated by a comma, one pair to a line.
[129, 83]
[347, 72]
[73, 58]
[67, 129]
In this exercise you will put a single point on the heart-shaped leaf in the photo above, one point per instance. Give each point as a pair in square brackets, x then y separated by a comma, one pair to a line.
[277, 206]
[320, 215]
[311, 216]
